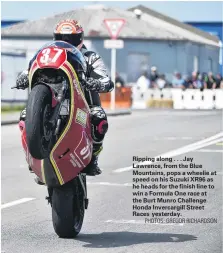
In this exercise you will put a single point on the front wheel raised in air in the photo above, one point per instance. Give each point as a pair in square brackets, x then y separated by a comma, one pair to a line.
[38, 130]
[68, 209]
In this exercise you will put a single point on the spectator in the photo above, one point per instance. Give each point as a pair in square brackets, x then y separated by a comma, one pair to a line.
[187, 82]
[161, 82]
[168, 84]
[209, 81]
[200, 79]
[153, 76]
[218, 81]
[143, 83]
[119, 82]
[178, 81]
[204, 75]
[196, 80]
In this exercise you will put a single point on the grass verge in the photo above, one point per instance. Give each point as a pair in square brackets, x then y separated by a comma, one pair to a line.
[11, 108]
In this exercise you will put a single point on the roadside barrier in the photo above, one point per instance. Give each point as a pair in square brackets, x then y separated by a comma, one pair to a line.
[132, 97]
[177, 99]
[123, 98]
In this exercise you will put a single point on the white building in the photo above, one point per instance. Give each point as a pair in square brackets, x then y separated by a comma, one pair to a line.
[149, 39]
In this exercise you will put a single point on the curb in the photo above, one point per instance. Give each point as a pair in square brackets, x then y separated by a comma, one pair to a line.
[126, 112]
[119, 113]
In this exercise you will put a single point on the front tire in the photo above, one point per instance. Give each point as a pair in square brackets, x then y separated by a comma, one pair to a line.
[68, 209]
[38, 132]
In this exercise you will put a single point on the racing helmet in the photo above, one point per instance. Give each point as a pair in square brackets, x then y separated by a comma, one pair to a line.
[69, 31]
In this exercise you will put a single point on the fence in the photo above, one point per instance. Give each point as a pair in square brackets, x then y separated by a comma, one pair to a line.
[178, 99]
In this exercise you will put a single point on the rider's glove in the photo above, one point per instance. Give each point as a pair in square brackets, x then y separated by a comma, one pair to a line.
[92, 84]
[22, 81]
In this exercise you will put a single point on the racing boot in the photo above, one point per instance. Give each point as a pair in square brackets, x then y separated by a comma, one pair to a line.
[92, 169]
[99, 127]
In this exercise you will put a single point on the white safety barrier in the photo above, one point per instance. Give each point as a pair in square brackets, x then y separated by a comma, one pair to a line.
[188, 99]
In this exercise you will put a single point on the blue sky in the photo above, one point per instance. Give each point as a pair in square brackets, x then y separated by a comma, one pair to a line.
[183, 11]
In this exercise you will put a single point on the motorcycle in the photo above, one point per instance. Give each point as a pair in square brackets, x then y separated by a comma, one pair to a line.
[56, 134]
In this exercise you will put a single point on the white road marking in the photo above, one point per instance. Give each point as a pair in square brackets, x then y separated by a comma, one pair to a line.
[186, 149]
[172, 138]
[210, 150]
[187, 138]
[108, 184]
[142, 222]
[16, 202]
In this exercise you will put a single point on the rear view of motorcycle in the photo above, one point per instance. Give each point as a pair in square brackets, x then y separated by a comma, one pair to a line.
[56, 135]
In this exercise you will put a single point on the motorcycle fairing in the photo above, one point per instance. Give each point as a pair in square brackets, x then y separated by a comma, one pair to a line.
[73, 150]
[75, 159]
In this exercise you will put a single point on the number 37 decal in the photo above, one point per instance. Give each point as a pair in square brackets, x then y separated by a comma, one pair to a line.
[51, 57]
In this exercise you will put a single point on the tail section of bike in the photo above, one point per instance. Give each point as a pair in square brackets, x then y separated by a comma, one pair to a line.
[61, 145]
[72, 151]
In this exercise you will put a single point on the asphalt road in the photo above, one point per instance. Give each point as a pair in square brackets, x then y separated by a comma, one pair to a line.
[109, 225]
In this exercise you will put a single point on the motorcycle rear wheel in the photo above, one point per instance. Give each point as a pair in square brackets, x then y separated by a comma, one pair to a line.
[38, 132]
[68, 209]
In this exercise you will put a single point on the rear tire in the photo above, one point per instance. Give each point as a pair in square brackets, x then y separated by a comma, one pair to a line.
[68, 209]
[38, 132]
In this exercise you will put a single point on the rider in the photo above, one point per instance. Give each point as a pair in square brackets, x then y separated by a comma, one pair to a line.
[97, 81]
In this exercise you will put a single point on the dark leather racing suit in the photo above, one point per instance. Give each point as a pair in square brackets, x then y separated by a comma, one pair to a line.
[97, 70]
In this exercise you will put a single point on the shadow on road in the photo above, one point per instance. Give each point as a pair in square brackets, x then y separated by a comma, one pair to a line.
[119, 239]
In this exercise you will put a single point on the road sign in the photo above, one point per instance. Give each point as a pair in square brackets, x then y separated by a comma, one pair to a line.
[114, 26]
[113, 44]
